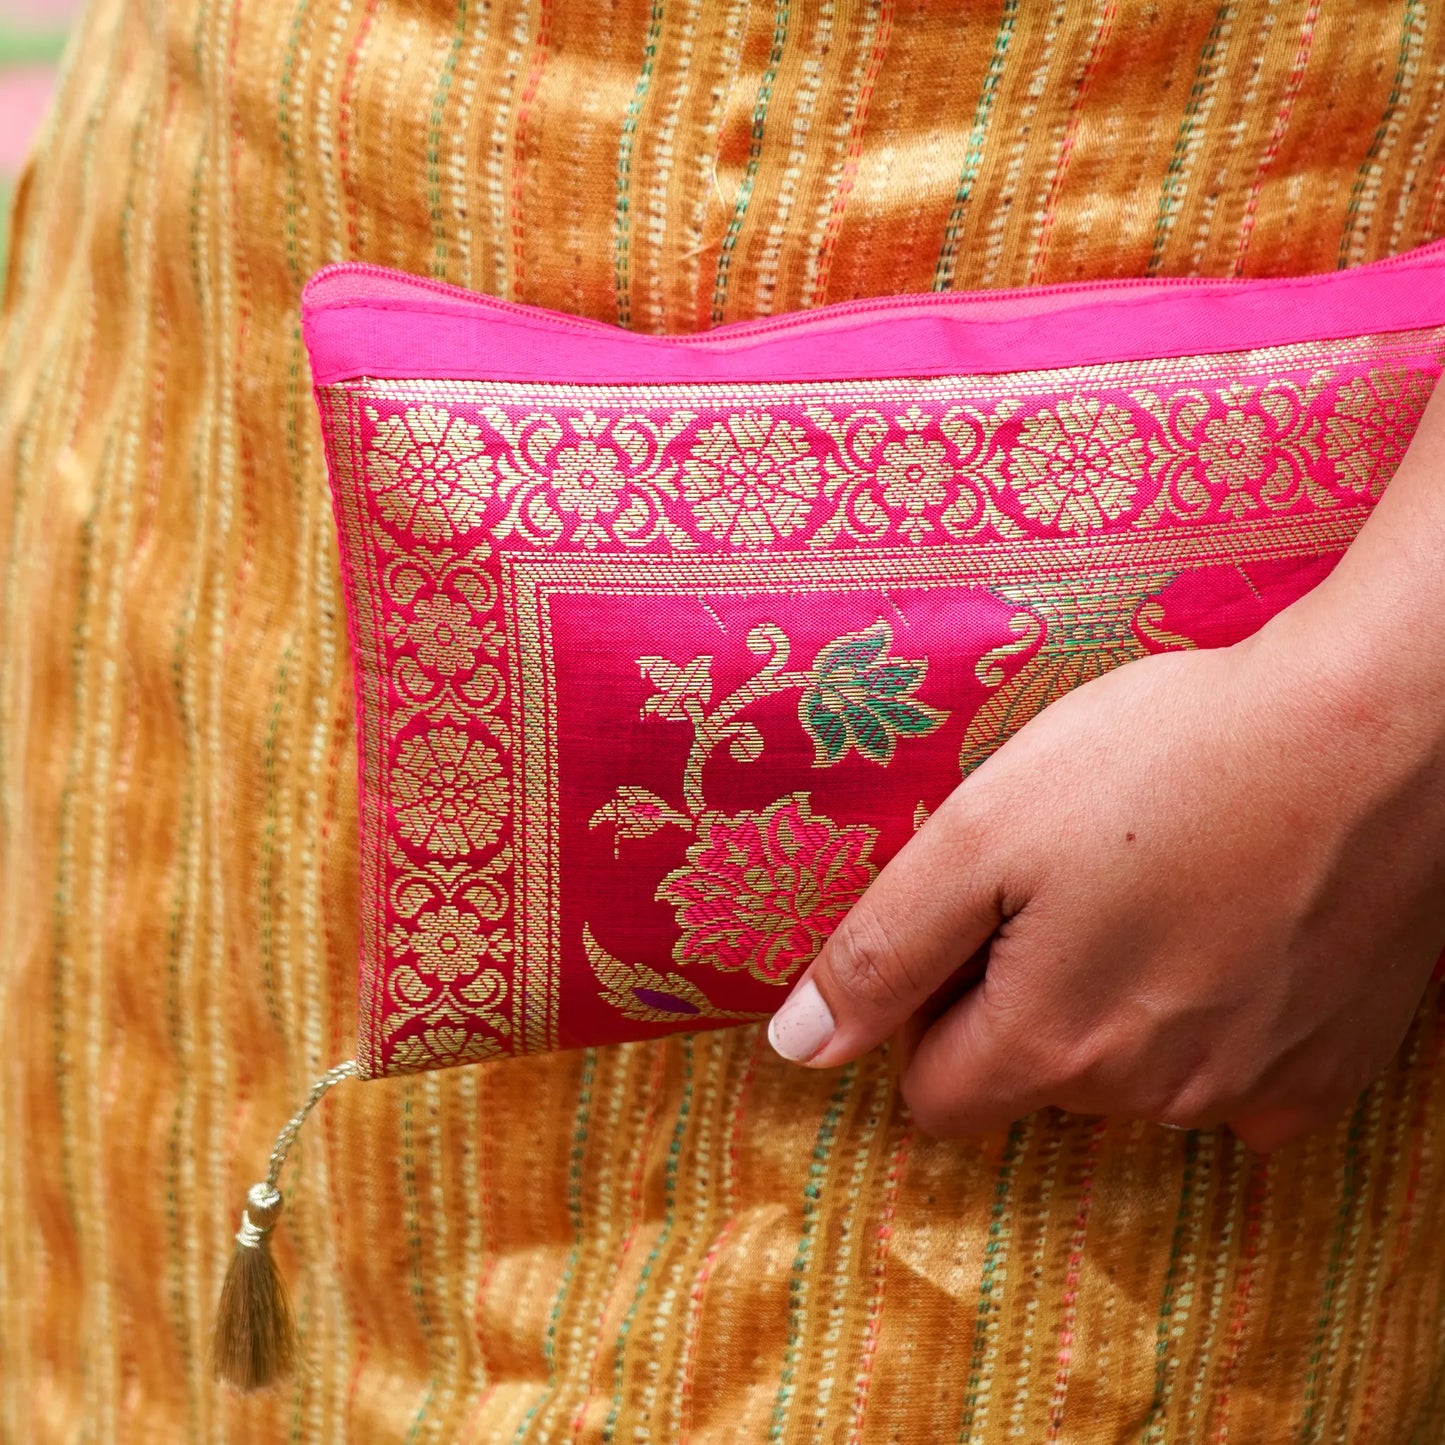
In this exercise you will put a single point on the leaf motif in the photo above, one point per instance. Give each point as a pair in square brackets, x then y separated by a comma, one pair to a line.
[411, 897]
[904, 717]
[632, 523]
[404, 579]
[628, 435]
[892, 677]
[412, 681]
[485, 990]
[871, 518]
[855, 651]
[540, 441]
[406, 981]
[637, 813]
[676, 687]
[865, 437]
[647, 996]
[486, 993]
[487, 890]
[447, 1040]
[747, 744]
[484, 689]
[829, 733]
[668, 1003]
[870, 736]
[543, 520]
[860, 696]
[441, 1048]
[478, 589]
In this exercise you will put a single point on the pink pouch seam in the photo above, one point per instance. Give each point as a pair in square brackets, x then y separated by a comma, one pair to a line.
[1369, 289]
[1171, 291]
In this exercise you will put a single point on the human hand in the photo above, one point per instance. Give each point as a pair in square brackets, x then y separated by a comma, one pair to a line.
[1210, 887]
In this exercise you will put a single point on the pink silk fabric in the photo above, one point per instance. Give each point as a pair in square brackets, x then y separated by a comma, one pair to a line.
[656, 668]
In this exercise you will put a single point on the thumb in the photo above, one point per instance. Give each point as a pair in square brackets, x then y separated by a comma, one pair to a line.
[929, 911]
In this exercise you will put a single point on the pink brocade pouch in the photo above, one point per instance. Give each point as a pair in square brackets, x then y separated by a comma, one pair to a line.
[663, 646]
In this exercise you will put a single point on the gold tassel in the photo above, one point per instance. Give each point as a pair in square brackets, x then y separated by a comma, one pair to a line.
[254, 1341]
[255, 1337]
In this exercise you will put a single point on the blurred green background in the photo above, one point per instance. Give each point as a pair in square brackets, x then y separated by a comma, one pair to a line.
[32, 36]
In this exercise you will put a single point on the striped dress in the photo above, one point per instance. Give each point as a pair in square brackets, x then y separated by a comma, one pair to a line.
[686, 1241]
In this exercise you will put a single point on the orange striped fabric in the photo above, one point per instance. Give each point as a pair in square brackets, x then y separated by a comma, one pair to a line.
[685, 1241]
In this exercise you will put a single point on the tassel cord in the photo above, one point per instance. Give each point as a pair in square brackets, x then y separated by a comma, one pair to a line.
[254, 1341]
[287, 1137]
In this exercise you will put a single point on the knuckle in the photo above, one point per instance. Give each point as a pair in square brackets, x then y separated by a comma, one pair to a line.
[1101, 1072]
[867, 968]
[1049, 1066]
[1195, 1102]
[1057, 1063]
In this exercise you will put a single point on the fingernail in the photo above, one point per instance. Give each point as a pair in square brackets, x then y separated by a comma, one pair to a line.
[803, 1025]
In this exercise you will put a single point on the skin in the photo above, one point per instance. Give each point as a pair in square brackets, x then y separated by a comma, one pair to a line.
[1207, 888]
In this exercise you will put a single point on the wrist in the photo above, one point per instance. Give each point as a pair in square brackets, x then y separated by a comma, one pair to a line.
[1360, 672]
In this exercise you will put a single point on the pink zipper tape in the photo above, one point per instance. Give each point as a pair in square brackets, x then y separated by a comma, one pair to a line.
[366, 321]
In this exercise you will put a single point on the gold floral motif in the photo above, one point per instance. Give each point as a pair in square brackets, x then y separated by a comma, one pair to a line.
[444, 635]
[430, 883]
[441, 974]
[1077, 466]
[465, 577]
[449, 943]
[915, 483]
[914, 476]
[761, 892]
[850, 476]
[638, 813]
[430, 472]
[1236, 447]
[1374, 418]
[1256, 456]
[419, 998]
[751, 480]
[588, 478]
[451, 677]
[449, 791]
[446, 608]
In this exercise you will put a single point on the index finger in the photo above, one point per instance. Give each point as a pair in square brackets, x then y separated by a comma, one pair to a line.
[932, 907]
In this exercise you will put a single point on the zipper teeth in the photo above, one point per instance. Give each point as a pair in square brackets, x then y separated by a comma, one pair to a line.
[806, 320]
